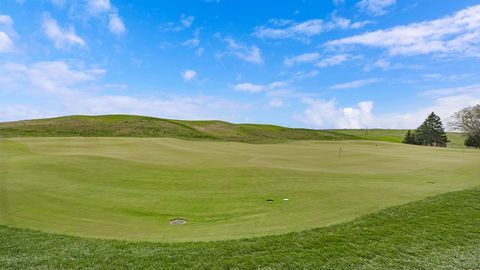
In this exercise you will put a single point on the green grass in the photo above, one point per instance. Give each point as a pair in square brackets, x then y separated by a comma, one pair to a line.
[441, 232]
[141, 126]
[151, 127]
[129, 188]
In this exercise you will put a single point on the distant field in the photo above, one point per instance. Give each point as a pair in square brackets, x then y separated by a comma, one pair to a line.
[130, 188]
[393, 135]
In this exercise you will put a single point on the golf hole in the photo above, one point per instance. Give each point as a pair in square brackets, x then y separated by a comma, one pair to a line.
[270, 200]
[178, 221]
[431, 182]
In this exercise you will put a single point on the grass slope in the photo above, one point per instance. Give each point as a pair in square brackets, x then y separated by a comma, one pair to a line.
[129, 188]
[441, 232]
[141, 126]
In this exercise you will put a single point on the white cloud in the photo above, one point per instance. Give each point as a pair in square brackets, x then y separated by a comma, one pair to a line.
[334, 60]
[304, 30]
[6, 20]
[255, 88]
[115, 24]
[61, 37]
[195, 43]
[188, 74]
[376, 7]
[326, 114]
[354, 84]
[185, 22]
[452, 35]
[444, 102]
[66, 90]
[55, 77]
[249, 87]
[244, 52]
[294, 30]
[99, 6]
[6, 43]
[303, 58]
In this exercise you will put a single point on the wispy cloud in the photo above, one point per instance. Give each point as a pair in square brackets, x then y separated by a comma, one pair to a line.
[334, 60]
[376, 7]
[61, 37]
[255, 88]
[183, 23]
[305, 30]
[242, 51]
[6, 43]
[453, 35]
[303, 58]
[354, 84]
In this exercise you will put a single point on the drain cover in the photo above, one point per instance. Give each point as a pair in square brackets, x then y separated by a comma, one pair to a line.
[178, 221]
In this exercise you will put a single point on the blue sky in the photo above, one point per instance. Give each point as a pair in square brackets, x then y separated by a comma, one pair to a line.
[316, 64]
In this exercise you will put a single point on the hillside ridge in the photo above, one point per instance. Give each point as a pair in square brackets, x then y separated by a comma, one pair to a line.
[120, 125]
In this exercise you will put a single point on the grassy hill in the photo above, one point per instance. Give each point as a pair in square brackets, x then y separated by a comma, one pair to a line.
[141, 126]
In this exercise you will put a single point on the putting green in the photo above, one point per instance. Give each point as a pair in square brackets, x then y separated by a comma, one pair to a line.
[130, 188]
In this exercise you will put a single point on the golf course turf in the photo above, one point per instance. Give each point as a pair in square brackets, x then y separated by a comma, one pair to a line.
[342, 201]
[441, 232]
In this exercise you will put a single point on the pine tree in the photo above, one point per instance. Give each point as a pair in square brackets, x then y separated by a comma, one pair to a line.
[431, 132]
[409, 138]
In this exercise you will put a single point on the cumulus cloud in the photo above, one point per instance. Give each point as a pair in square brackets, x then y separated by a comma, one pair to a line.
[444, 102]
[376, 7]
[188, 74]
[458, 34]
[251, 54]
[326, 114]
[354, 84]
[61, 37]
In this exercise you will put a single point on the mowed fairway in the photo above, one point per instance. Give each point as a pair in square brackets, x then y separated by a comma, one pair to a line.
[130, 188]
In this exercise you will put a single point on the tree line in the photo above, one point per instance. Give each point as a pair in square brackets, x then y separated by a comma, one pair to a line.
[432, 133]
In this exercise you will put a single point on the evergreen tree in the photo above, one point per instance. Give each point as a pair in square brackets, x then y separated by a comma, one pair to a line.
[409, 138]
[431, 132]
[473, 141]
